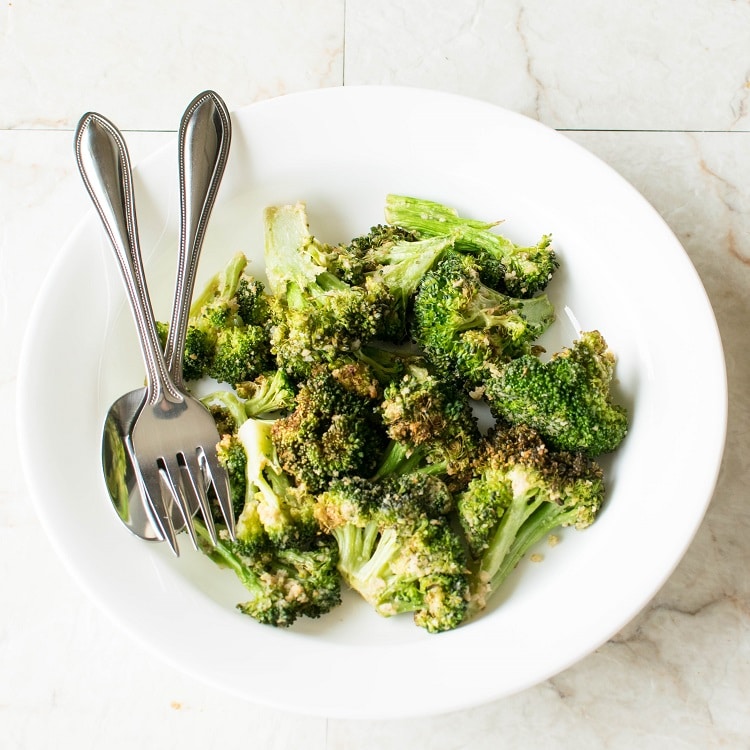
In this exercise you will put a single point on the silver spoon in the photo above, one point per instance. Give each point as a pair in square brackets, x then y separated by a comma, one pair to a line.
[204, 139]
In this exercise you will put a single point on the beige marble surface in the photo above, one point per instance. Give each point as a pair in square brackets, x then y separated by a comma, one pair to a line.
[659, 90]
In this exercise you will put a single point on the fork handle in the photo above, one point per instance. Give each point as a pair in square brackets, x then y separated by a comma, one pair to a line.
[203, 147]
[104, 164]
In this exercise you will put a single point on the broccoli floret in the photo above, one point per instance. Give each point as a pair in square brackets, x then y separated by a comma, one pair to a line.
[358, 378]
[268, 393]
[332, 431]
[432, 422]
[377, 240]
[351, 262]
[396, 547]
[231, 455]
[275, 507]
[400, 267]
[284, 583]
[241, 352]
[527, 269]
[521, 492]
[466, 328]
[219, 342]
[199, 353]
[199, 350]
[317, 317]
[567, 398]
[252, 301]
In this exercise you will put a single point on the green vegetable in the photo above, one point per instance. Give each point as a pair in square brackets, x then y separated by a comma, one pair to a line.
[522, 491]
[228, 336]
[331, 432]
[349, 415]
[317, 317]
[431, 424]
[396, 547]
[284, 583]
[527, 269]
[466, 329]
[567, 399]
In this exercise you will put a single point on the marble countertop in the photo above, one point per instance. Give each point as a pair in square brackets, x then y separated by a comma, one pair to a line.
[659, 90]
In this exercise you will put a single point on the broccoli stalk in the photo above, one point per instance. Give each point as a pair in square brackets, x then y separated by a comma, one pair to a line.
[521, 492]
[528, 269]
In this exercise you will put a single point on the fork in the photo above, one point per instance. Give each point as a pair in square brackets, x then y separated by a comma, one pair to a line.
[174, 435]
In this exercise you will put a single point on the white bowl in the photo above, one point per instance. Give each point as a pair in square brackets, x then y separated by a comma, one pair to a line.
[341, 151]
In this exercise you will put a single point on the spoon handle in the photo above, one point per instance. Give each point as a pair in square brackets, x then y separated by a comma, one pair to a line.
[203, 146]
[104, 164]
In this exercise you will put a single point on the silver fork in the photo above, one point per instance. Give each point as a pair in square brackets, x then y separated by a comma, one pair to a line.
[174, 435]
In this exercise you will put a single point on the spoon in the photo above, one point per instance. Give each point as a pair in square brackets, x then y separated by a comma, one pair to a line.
[203, 146]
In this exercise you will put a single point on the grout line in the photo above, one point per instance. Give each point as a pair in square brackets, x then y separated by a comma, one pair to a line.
[343, 50]
[645, 130]
[559, 130]
[72, 130]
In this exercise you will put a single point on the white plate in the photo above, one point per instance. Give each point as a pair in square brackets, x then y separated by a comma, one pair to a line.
[342, 150]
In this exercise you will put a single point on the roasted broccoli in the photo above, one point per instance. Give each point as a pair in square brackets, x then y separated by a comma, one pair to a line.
[275, 506]
[285, 583]
[317, 318]
[266, 395]
[400, 266]
[228, 335]
[522, 491]
[466, 328]
[332, 431]
[231, 455]
[269, 507]
[350, 430]
[431, 423]
[567, 398]
[379, 238]
[396, 547]
[527, 270]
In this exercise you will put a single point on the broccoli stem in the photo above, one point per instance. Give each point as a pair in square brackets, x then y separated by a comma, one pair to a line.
[222, 285]
[428, 218]
[373, 572]
[543, 521]
[398, 459]
[527, 521]
[355, 545]
[365, 558]
[229, 401]
[506, 533]
[222, 554]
